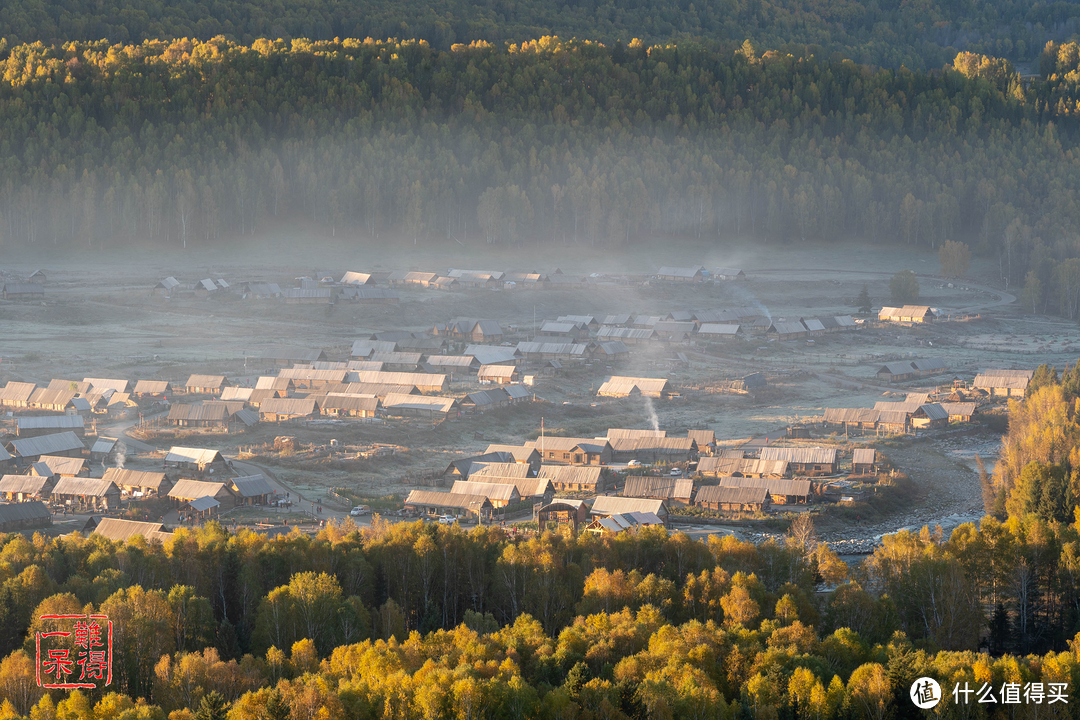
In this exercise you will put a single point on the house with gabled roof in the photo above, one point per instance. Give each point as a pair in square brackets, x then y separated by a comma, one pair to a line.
[195, 459]
[608, 505]
[620, 386]
[573, 451]
[27, 450]
[205, 384]
[84, 493]
[139, 482]
[120, 530]
[681, 274]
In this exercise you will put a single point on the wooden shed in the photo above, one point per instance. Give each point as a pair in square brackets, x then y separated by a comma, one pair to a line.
[654, 450]
[498, 494]
[35, 425]
[1004, 383]
[432, 502]
[930, 415]
[681, 274]
[782, 491]
[152, 388]
[675, 491]
[864, 461]
[139, 482]
[184, 491]
[622, 522]
[521, 453]
[199, 460]
[620, 386]
[608, 505]
[564, 510]
[574, 479]
[205, 384]
[501, 374]
[122, 531]
[959, 411]
[282, 409]
[732, 499]
[204, 415]
[64, 444]
[787, 330]
[24, 291]
[24, 488]
[520, 475]
[60, 466]
[573, 451]
[18, 517]
[804, 461]
[86, 493]
[344, 405]
[484, 400]
[252, 490]
[611, 351]
[308, 296]
[418, 405]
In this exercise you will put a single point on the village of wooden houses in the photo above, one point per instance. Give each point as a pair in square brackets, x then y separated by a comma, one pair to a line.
[301, 435]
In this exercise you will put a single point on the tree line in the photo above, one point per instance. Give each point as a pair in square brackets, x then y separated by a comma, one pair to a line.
[547, 141]
[889, 34]
[423, 620]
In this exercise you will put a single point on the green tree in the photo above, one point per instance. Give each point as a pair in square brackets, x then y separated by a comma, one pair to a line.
[904, 288]
[955, 258]
[1032, 294]
[212, 707]
[864, 301]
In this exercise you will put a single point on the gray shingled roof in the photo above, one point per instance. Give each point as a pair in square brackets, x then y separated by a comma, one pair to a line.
[123, 477]
[50, 422]
[90, 487]
[32, 510]
[46, 444]
[252, 486]
[610, 505]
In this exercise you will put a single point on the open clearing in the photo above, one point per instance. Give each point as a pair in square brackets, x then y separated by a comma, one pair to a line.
[99, 319]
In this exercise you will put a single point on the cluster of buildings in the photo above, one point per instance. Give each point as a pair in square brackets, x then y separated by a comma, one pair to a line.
[56, 469]
[689, 326]
[918, 410]
[915, 412]
[372, 287]
[86, 398]
[509, 478]
[698, 273]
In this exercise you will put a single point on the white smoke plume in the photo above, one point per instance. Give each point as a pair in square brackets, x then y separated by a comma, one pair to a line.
[747, 299]
[121, 457]
[653, 418]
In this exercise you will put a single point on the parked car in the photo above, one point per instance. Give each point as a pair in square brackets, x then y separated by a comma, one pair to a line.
[676, 472]
[634, 463]
[360, 510]
[447, 520]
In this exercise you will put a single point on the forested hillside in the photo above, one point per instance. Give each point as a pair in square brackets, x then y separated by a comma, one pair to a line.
[565, 142]
[421, 620]
[891, 33]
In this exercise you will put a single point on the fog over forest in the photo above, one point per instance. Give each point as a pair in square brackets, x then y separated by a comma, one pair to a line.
[764, 406]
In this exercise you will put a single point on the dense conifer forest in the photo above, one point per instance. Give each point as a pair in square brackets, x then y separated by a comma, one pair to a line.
[923, 35]
[187, 142]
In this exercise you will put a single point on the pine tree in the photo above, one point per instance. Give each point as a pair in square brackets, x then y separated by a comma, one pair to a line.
[213, 707]
[864, 301]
